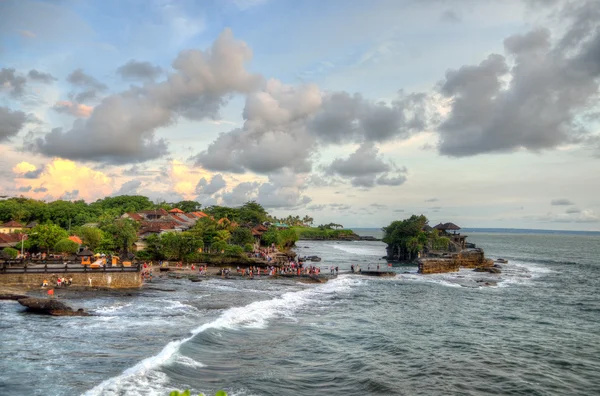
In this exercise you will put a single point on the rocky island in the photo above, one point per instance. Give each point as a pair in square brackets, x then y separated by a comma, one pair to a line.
[434, 249]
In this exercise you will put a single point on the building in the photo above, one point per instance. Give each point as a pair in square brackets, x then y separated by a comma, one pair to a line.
[11, 227]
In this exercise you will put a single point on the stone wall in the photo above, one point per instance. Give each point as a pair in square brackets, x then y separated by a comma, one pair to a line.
[114, 280]
[464, 259]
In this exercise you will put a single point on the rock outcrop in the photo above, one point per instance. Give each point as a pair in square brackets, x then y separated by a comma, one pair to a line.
[52, 307]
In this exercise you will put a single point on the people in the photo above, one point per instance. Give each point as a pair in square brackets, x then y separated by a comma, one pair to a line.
[352, 268]
[45, 283]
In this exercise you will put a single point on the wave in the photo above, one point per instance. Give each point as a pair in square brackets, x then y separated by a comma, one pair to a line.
[360, 250]
[254, 315]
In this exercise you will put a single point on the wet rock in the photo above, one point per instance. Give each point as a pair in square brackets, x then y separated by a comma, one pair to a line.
[12, 296]
[46, 306]
[491, 270]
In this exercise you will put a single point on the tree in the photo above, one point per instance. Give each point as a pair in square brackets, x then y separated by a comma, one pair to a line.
[179, 245]
[91, 236]
[252, 213]
[66, 246]
[123, 232]
[188, 206]
[45, 236]
[242, 236]
[406, 238]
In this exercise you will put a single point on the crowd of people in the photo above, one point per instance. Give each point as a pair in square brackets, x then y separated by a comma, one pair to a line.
[59, 282]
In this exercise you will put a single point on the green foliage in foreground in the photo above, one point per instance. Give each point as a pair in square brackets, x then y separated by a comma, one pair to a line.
[66, 246]
[187, 393]
[10, 253]
[320, 233]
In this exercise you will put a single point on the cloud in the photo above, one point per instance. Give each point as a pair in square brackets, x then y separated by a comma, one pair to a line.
[121, 129]
[75, 109]
[584, 216]
[33, 174]
[449, 16]
[136, 70]
[60, 176]
[532, 100]
[317, 208]
[384, 180]
[432, 200]
[40, 76]
[11, 122]
[70, 195]
[378, 206]
[241, 193]
[340, 207]
[88, 86]
[209, 188]
[573, 210]
[363, 166]
[346, 118]
[27, 33]
[561, 202]
[11, 82]
[398, 210]
[128, 188]
[24, 188]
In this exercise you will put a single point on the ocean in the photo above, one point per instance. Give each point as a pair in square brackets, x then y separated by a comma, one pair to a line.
[536, 332]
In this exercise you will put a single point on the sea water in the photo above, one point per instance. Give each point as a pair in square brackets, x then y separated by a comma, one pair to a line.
[536, 331]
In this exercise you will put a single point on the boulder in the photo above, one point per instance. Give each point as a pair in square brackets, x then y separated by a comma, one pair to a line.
[48, 306]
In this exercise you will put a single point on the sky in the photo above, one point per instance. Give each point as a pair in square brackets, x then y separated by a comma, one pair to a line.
[483, 113]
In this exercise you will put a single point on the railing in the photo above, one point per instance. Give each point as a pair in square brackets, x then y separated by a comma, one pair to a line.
[65, 269]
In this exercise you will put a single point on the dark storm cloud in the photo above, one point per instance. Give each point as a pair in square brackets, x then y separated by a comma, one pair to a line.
[11, 122]
[12, 82]
[561, 202]
[533, 99]
[121, 129]
[40, 76]
[136, 70]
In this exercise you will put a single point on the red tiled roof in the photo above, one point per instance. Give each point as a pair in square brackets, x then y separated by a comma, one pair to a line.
[190, 216]
[10, 238]
[76, 239]
[200, 214]
[135, 216]
[176, 210]
[256, 233]
[12, 224]
[160, 211]
[261, 227]
[162, 225]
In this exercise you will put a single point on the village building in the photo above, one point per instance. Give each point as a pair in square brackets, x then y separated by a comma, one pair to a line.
[11, 227]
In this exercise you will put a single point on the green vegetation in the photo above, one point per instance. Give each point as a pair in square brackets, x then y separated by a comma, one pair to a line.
[10, 253]
[407, 238]
[321, 233]
[224, 235]
[66, 246]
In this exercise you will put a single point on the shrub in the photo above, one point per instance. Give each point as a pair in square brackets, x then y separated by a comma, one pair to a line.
[66, 246]
[10, 253]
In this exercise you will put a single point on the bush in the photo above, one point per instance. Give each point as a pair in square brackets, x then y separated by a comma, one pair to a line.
[234, 250]
[66, 246]
[248, 248]
[10, 253]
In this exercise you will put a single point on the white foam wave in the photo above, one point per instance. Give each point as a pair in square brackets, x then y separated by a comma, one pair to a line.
[254, 315]
[188, 361]
[111, 308]
[360, 250]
